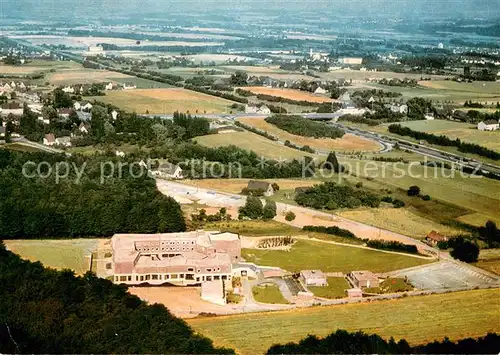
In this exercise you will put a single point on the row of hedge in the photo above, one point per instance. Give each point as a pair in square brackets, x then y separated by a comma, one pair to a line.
[445, 141]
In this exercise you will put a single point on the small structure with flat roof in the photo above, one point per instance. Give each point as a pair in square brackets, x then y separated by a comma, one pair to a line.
[313, 278]
[363, 279]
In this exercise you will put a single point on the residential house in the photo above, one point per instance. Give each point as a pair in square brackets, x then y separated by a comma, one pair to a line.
[351, 61]
[114, 115]
[49, 139]
[109, 86]
[129, 86]
[168, 170]
[488, 125]
[429, 116]
[264, 186]
[11, 108]
[182, 259]
[120, 154]
[399, 109]
[63, 141]
[433, 238]
[84, 128]
[313, 278]
[261, 110]
[363, 279]
[68, 90]
[320, 91]
[64, 112]
[82, 106]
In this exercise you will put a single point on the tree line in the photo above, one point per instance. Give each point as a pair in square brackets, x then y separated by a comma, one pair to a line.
[343, 342]
[331, 196]
[304, 127]
[99, 202]
[48, 311]
[445, 141]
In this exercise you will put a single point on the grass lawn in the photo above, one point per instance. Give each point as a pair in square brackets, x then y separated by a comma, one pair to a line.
[251, 141]
[348, 142]
[307, 255]
[164, 101]
[489, 259]
[255, 228]
[401, 220]
[391, 285]
[59, 254]
[335, 289]
[268, 293]
[416, 319]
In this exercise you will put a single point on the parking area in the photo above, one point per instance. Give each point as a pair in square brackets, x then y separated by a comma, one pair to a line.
[445, 275]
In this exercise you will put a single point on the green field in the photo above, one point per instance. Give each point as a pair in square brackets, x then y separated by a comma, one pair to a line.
[470, 194]
[268, 293]
[59, 254]
[441, 90]
[164, 101]
[416, 319]
[306, 255]
[464, 131]
[335, 289]
[489, 259]
[251, 141]
[142, 83]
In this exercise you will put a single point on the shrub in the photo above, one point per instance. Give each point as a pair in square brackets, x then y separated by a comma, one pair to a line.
[413, 191]
[398, 203]
[426, 198]
[290, 216]
[333, 230]
[269, 211]
[359, 185]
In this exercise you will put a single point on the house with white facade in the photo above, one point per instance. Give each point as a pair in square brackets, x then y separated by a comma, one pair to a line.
[488, 125]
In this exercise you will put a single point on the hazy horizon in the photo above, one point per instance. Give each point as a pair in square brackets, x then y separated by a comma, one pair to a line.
[62, 10]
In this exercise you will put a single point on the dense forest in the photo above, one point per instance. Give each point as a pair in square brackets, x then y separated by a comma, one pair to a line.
[332, 196]
[100, 201]
[445, 141]
[305, 127]
[54, 312]
[343, 342]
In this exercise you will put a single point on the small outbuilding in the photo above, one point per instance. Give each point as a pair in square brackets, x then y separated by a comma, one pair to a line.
[313, 278]
[363, 279]
[264, 186]
[433, 238]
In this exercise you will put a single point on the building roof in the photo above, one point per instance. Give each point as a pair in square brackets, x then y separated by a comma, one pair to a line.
[63, 139]
[258, 185]
[490, 122]
[168, 168]
[313, 274]
[11, 106]
[64, 111]
[436, 236]
[50, 137]
[2, 129]
[364, 276]
[133, 251]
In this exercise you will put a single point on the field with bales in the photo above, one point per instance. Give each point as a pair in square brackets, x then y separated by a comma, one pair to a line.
[417, 319]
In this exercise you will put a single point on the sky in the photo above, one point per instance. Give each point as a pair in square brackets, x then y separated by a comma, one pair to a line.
[371, 8]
